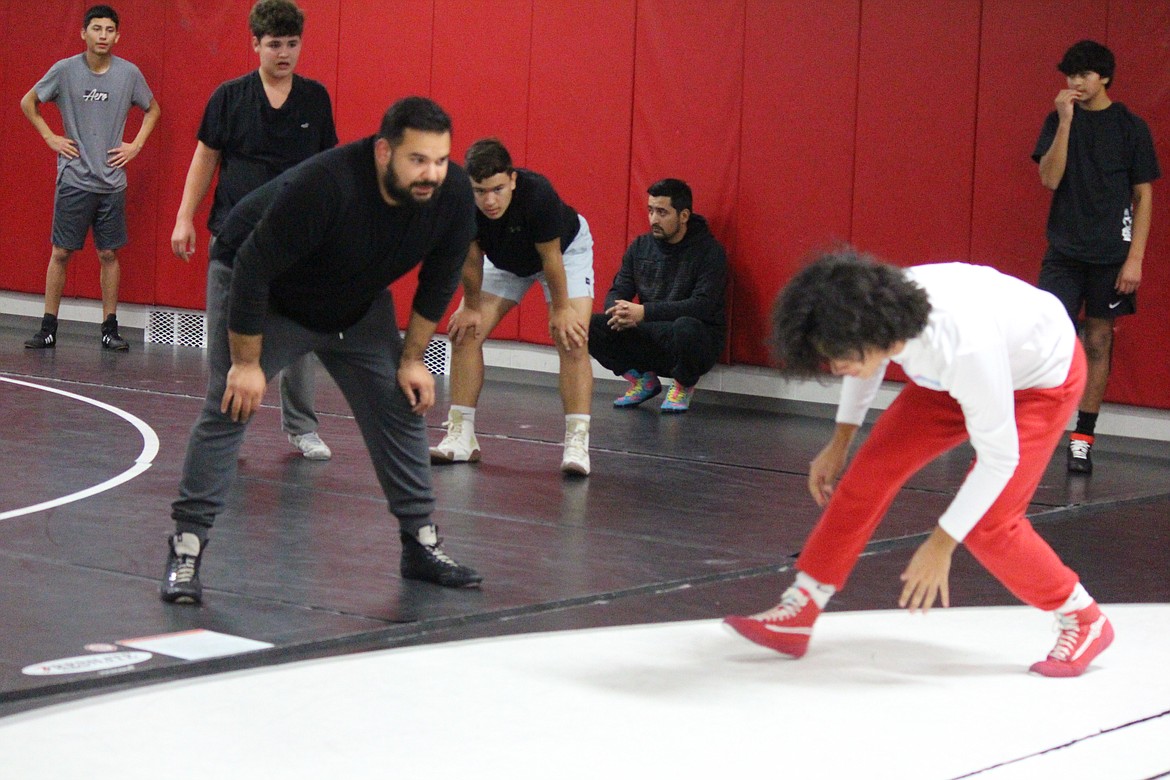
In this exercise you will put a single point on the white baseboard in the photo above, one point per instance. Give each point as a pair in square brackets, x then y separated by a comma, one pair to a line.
[753, 381]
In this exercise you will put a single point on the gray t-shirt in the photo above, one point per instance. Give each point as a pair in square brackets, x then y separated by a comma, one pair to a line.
[93, 109]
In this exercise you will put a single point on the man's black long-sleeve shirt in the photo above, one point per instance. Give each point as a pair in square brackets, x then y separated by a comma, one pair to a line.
[319, 243]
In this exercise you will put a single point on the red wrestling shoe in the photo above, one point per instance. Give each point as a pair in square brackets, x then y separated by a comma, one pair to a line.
[785, 628]
[1084, 635]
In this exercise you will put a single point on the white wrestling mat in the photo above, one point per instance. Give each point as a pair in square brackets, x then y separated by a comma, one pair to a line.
[880, 695]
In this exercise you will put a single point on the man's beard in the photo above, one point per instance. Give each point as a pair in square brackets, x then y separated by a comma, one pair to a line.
[659, 233]
[404, 196]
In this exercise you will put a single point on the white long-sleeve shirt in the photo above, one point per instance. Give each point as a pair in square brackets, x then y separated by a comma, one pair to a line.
[988, 335]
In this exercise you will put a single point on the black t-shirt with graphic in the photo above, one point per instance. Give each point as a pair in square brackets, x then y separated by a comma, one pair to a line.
[1109, 152]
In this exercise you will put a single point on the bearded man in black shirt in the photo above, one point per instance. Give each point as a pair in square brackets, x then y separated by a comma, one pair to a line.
[302, 264]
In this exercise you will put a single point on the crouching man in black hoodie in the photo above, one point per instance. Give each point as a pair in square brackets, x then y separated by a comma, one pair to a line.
[677, 273]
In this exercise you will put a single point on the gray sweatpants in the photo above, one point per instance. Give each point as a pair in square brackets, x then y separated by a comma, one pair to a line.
[298, 390]
[363, 361]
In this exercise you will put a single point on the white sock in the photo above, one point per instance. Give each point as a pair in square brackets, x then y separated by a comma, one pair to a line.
[187, 544]
[569, 418]
[1079, 599]
[468, 413]
[428, 535]
[818, 592]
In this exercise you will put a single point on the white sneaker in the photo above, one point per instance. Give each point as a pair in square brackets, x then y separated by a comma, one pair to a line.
[576, 460]
[459, 445]
[311, 446]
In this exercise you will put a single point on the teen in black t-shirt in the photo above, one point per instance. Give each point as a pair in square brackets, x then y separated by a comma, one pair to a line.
[1098, 159]
[524, 234]
[254, 128]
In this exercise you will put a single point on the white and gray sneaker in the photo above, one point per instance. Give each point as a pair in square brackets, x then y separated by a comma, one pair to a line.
[311, 446]
[576, 460]
[460, 444]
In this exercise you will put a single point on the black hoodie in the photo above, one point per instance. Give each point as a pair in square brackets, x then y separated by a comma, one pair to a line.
[687, 279]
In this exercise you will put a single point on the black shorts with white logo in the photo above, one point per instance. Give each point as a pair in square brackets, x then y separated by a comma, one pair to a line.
[1092, 286]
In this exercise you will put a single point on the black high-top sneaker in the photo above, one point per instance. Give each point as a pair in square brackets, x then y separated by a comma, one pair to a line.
[181, 583]
[46, 337]
[424, 559]
[110, 337]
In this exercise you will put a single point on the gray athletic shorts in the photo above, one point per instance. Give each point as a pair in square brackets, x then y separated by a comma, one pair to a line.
[578, 259]
[75, 211]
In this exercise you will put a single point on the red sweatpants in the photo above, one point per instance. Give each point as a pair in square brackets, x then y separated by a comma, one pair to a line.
[919, 426]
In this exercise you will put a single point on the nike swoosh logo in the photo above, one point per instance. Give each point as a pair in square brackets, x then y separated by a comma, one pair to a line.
[788, 629]
[1115, 304]
[306, 124]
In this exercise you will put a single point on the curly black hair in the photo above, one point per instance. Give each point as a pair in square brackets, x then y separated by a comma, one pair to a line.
[842, 303]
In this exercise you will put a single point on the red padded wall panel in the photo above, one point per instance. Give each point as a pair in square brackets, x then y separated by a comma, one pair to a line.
[218, 48]
[688, 74]
[480, 71]
[795, 188]
[320, 55]
[384, 53]
[579, 127]
[142, 27]
[27, 178]
[1139, 32]
[1018, 81]
[916, 129]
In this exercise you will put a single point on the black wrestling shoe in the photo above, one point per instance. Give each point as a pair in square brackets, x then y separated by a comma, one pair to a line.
[111, 338]
[46, 337]
[181, 583]
[428, 562]
[1080, 453]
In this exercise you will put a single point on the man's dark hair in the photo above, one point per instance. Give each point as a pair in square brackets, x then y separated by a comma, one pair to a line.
[677, 190]
[413, 113]
[840, 304]
[487, 157]
[100, 12]
[1086, 56]
[276, 18]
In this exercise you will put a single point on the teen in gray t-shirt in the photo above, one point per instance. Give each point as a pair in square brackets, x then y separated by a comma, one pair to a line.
[94, 92]
[93, 109]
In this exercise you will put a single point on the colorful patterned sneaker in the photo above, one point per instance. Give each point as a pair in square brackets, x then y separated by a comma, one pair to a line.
[181, 584]
[786, 628]
[678, 398]
[46, 337]
[311, 446]
[423, 559]
[459, 445]
[1084, 635]
[643, 387]
[110, 337]
[576, 460]
[1080, 457]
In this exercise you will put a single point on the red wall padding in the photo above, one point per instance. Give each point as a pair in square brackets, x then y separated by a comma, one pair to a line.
[1139, 34]
[908, 132]
[581, 89]
[915, 129]
[1018, 82]
[796, 151]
